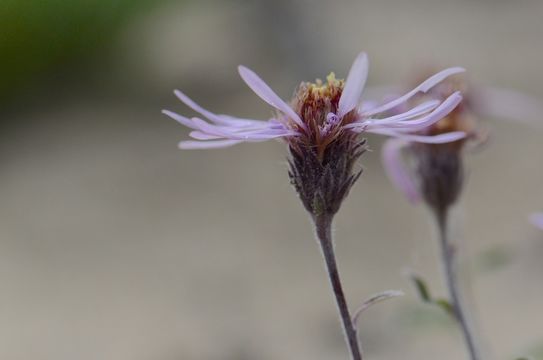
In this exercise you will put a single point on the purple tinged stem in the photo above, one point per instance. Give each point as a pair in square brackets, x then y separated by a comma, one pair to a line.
[323, 230]
[448, 259]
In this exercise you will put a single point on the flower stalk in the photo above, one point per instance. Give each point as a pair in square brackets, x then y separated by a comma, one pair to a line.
[449, 262]
[323, 230]
[437, 179]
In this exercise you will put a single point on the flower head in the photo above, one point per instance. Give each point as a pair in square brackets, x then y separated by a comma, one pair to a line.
[318, 112]
[438, 173]
[321, 126]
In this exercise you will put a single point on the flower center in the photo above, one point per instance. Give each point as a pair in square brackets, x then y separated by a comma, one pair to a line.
[314, 101]
[317, 105]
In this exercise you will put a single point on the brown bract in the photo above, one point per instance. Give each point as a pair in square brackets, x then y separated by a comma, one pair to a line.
[323, 157]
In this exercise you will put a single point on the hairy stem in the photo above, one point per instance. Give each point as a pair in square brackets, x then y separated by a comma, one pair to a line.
[448, 258]
[323, 228]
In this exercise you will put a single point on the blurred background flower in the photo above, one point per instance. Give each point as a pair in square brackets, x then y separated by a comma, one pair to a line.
[115, 245]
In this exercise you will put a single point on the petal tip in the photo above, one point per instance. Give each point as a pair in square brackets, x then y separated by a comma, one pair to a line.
[362, 56]
[454, 70]
[354, 84]
[243, 70]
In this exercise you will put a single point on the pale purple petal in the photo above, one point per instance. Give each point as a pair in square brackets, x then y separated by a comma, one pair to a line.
[350, 97]
[213, 144]
[210, 129]
[194, 106]
[428, 139]
[180, 119]
[245, 136]
[220, 119]
[418, 110]
[240, 134]
[199, 135]
[242, 122]
[367, 105]
[269, 133]
[397, 171]
[267, 94]
[396, 119]
[537, 220]
[259, 136]
[423, 87]
[439, 113]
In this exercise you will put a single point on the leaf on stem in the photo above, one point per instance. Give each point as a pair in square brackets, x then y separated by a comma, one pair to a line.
[377, 298]
[424, 293]
[421, 287]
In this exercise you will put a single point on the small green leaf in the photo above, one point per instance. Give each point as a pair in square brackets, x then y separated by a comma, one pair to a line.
[421, 288]
[445, 305]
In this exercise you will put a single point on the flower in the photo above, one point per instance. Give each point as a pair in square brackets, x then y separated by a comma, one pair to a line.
[339, 110]
[437, 175]
[321, 127]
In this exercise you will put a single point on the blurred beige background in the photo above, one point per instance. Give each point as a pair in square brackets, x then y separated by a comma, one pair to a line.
[114, 245]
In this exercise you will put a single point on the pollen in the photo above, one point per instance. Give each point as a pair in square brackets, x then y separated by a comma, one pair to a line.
[319, 89]
[313, 101]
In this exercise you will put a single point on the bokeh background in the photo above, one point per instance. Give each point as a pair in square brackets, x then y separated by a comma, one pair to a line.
[115, 245]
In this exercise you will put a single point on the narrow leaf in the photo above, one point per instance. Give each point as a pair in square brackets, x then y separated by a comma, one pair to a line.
[446, 306]
[421, 287]
[377, 298]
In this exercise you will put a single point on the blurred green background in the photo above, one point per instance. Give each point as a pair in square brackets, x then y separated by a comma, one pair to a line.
[115, 245]
[38, 38]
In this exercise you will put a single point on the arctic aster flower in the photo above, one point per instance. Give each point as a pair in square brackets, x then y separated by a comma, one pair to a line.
[437, 175]
[437, 179]
[320, 113]
[479, 102]
[321, 127]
